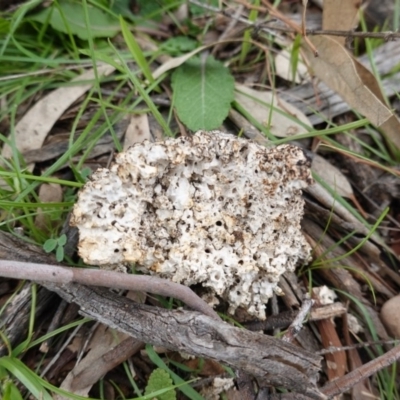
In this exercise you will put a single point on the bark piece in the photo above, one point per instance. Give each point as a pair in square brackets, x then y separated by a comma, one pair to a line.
[271, 360]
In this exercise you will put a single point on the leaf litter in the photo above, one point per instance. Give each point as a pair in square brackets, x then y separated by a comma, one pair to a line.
[198, 93]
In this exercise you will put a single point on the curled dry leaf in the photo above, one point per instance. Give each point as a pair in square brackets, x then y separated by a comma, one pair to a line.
[340, 71]
[265, 107]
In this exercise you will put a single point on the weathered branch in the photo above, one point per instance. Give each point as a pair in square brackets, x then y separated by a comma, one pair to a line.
[272, 360]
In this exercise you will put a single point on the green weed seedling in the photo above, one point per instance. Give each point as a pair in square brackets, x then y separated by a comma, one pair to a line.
[160, 379]
[57, 245]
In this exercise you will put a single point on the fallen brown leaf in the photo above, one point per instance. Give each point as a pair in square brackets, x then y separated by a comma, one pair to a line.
[34, 126]
[339, 70]
[340, 15]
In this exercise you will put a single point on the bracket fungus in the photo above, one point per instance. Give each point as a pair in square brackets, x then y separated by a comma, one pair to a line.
[211, 209]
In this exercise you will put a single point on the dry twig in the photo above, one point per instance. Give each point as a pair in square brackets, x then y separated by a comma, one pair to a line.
[346, 382]
[297, 324]
[111, 279]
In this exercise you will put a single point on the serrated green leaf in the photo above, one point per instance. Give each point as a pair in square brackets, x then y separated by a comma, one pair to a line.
[186, 388]
[71, 13]
[50, 245]
[203, 92]
[160, 379]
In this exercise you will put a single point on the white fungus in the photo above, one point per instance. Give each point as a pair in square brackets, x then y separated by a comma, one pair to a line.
[210, 209]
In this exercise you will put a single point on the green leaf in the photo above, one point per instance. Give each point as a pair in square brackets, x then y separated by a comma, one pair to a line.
[69, 17]
[60, 253]
[198, 11]
[185, 389]
[62, 240]
[160, 379]
[122, 7]
[11, 392]
[203, 92]
[3, 373]
[85, 173]
[50, 245]
[178, 45]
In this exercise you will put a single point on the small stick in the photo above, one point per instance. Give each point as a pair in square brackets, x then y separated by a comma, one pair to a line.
[111, 279]
[344, 383]
[333, 349]
[297, 324]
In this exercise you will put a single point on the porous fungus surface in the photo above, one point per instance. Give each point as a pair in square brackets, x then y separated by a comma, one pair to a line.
[211, 209]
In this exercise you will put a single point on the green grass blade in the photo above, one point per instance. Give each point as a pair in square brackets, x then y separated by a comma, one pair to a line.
[27, 377]
[144, 93]
[136, 51]
[246, 45]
